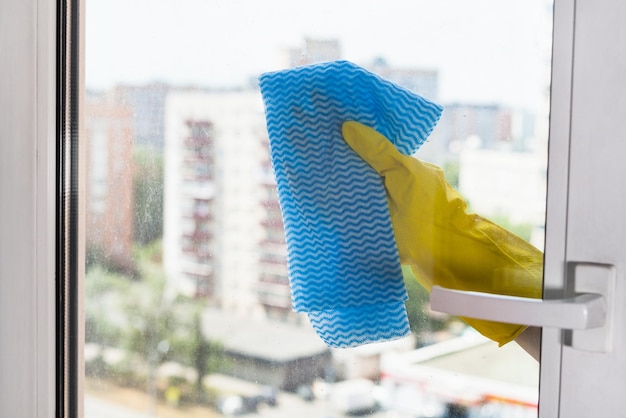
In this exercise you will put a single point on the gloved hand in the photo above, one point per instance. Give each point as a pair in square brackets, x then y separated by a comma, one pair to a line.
[442, 243]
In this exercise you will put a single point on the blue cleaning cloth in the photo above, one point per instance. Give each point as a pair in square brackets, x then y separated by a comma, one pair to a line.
[344, 269]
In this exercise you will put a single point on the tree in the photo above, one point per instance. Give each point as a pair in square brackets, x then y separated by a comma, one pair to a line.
[149, 324]
[101, 288]
[148, 183]
[451, 171]
[190, 346]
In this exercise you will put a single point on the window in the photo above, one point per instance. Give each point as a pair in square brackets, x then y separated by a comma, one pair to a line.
[194, 145]
[27, 358]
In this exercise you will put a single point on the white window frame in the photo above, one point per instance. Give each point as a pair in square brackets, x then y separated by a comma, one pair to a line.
[27, 205]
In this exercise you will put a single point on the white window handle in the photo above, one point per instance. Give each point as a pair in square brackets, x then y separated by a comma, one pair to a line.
[580, 312]
[588, 313]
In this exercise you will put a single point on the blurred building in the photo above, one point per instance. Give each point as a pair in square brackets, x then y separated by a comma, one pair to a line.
[507, 186]
[273, 286]
[492, 124]
[197, 199]
[313, 51]
[109, 185]
[282, 355]
[500, 155]
[424, 82]
[470, 375]
[214, 149]
[148, 106]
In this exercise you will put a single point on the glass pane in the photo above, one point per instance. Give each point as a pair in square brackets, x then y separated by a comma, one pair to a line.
[188, 304]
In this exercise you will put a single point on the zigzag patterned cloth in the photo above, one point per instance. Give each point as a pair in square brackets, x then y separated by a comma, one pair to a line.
[344, 269]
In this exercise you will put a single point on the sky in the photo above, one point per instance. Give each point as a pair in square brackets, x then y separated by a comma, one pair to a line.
[485, 50]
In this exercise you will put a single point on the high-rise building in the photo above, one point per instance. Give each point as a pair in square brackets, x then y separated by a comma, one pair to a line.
[197, 223]
[109, 154]
[492, 124]
[212, 213]
[273, 286]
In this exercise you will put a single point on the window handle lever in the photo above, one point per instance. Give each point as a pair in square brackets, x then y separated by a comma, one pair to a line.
[587, 315]
[583, 311]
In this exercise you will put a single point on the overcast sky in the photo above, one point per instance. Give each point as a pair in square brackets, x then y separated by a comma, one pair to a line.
[485, 50]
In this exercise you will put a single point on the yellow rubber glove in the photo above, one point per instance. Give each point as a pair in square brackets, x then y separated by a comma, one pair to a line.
[442, 243]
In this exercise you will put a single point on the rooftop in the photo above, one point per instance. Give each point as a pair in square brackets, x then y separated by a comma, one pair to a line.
[262, 339]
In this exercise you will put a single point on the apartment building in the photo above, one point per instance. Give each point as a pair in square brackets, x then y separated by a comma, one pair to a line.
[214, 150]
[109, 184]
[273, 286]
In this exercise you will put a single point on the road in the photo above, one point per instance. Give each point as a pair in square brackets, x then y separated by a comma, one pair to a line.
[289, 406]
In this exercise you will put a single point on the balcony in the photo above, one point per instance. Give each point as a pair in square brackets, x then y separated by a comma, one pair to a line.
[191, 157]
[197, 255]
[270, 204]
[276, 223]
[275, 240]
[197, 237]
[197, 270]
[278, 278]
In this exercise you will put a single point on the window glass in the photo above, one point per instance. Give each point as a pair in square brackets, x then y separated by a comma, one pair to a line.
[188, 306]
